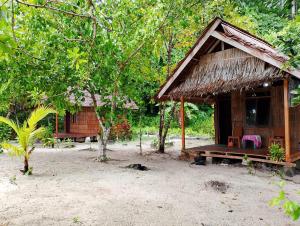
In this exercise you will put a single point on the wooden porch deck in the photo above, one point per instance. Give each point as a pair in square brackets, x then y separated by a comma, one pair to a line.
[222, 151]
[73, 135]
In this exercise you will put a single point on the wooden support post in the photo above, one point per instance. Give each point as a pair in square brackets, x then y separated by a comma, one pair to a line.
[287, 122]
[56, 125]
[182, 124]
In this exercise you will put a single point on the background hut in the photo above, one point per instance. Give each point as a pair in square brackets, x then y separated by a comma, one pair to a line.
[84, 123]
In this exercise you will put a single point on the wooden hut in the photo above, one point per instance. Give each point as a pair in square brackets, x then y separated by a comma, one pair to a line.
[245, 79]
[84, 123]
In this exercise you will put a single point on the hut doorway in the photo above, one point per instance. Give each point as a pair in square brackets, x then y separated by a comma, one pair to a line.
[224, 119]
[68, 121]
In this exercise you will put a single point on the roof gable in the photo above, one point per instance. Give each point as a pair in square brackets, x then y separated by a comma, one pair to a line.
[236, 37]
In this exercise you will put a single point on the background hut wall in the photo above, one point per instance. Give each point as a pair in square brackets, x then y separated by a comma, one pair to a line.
[84, 121]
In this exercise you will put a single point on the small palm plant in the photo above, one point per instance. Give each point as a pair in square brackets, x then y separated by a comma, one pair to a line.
[26, 135]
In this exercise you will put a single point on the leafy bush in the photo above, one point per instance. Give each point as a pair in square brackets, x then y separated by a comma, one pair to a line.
[199, 122]
[68, 143]
[291, 208]
[5, 132]
[276, 152]
[121, 131]
[47, 138]
[49, 142]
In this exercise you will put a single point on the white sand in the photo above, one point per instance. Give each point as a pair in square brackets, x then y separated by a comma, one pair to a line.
[69, 188]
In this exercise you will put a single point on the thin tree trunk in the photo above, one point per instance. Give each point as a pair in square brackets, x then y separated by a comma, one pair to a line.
[163, 125]
[294, 8]
[102, 140]
[161, 143]
[164, 128]
[99, 141]
[140, 125]
[26, 165]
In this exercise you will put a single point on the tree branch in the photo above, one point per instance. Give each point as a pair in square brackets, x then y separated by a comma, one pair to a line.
[13, 20]
[45, 6]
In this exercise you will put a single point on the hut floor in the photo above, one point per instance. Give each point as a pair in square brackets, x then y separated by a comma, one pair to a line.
[222, 151]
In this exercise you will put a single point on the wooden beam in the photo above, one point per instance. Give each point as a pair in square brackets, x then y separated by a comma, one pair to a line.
[254, 52]
[216, 123]
[182, 124]
[213, 46]
[222, 46]
[287, 121]
[191, 55]
[56, 125]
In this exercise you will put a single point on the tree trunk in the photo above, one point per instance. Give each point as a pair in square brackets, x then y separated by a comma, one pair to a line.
[161, 142]
[164, 127]
[161, 147]
[26, 165]
[141, 134]
[99, 141]
[102, 140]
[294, 8]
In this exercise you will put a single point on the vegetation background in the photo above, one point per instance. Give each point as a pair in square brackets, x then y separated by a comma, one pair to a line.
[119, 48]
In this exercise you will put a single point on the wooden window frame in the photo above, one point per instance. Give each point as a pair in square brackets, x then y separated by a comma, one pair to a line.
[257, 98]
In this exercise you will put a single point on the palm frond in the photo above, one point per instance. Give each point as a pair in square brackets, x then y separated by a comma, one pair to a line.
[10, 123]
[38, 114]
[14, 150]
[38, 133]
[23, 138]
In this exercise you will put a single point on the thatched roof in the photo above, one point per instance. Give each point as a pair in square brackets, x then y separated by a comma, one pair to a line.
[246, 62]
[225, 71]
[87, 101]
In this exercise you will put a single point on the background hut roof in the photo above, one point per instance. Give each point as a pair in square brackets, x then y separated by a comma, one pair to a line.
[262, 53]
[87, 101]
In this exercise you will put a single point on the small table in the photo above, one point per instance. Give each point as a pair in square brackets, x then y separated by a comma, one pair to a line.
[256, 139]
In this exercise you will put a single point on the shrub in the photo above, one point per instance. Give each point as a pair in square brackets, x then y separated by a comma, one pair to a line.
[47, 138]
[121, 131]
[291, 208]
[5, 132]
[276, 152]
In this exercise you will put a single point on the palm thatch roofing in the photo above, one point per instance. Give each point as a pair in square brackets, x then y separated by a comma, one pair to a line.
[225, 58]
[87, 101]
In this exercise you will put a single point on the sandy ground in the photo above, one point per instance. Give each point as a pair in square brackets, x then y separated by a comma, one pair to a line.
[70, 188]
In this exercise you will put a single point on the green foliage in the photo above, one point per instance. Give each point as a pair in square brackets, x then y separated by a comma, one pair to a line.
[288, 41]
[249, 164]
[296, 97]
[47, 138]
[68, 143]
[154, 143]
[13, 180]
[76, 220]
[118, 49]
[121, 130]
[291, 208]
[202, 124]
[5, 132]
[276, 153]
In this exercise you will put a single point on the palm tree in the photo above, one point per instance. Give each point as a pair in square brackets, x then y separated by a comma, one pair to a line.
[26, 134]
[296, 98]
